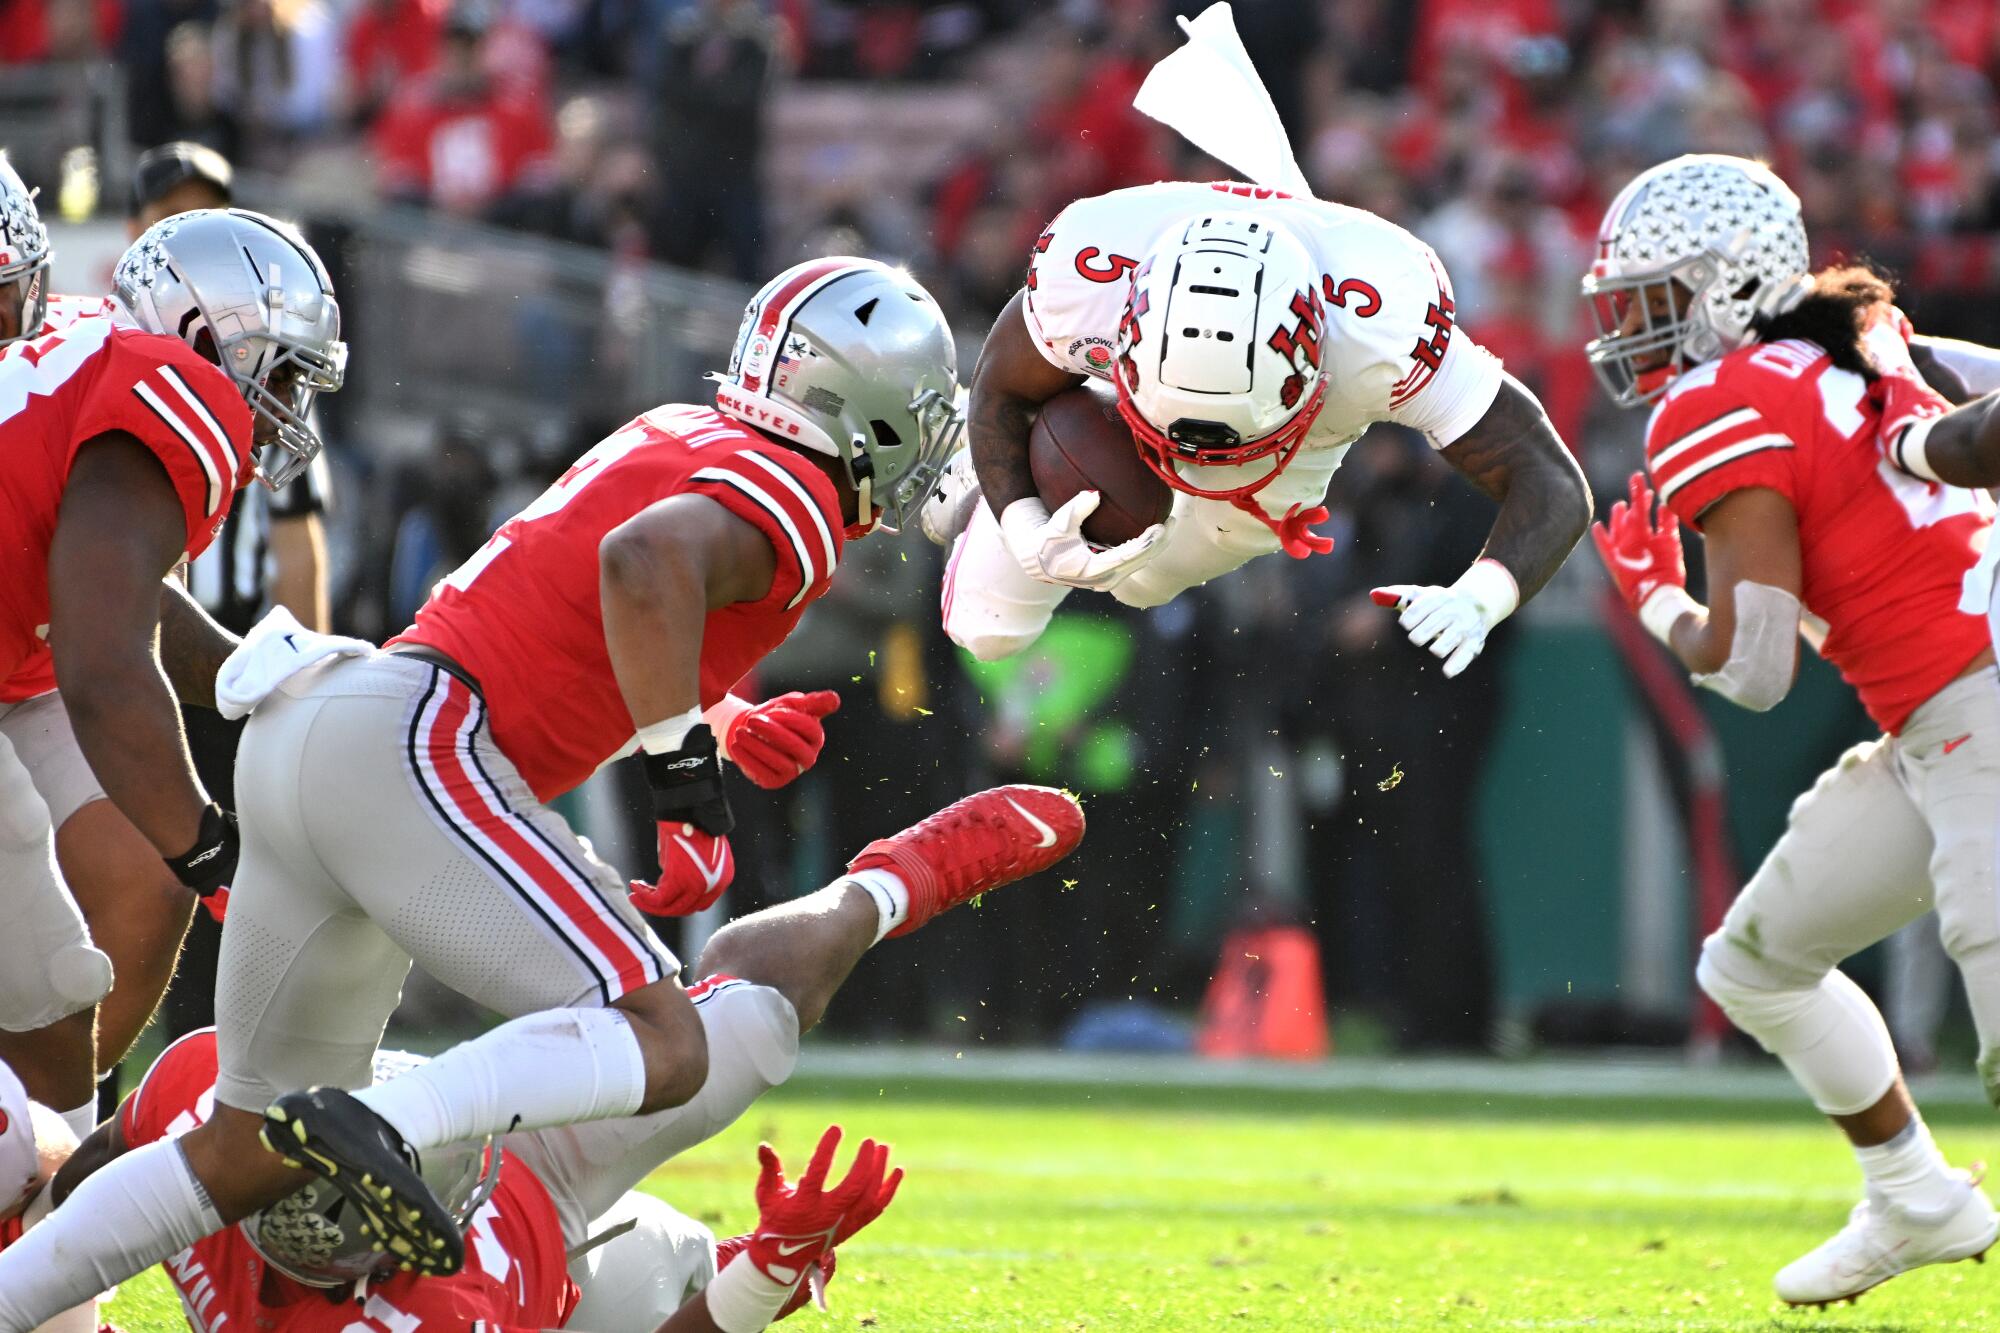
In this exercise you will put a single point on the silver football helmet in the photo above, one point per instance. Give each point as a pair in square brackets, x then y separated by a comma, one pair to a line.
[24, 254]
[245, 290]
[851, 358]
[314, 1237]
[1728, 232]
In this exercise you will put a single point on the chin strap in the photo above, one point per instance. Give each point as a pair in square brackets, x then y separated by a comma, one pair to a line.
[1294, 530]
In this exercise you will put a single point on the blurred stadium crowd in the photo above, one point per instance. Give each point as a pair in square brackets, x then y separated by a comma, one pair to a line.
[423, 140]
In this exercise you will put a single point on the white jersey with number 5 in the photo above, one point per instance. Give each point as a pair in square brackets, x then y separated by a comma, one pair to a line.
[1392, 351]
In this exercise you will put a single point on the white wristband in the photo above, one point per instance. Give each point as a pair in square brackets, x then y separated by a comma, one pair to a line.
[726, 711]
[1909, 451]
[666, 735]
[742, 1300]
[1663, 608]
[1491, 587]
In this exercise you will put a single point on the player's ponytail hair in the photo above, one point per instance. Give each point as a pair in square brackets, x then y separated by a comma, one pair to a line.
[1831, 314]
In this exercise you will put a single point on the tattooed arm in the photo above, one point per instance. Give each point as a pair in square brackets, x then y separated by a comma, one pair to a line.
[1010, 382]
[192, 646]
[1515, 456]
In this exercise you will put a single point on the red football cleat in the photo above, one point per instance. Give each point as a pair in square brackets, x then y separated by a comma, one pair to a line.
[974, 846]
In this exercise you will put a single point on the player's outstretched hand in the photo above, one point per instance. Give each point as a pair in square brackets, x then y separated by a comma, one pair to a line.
[1642, 552]
[780, 738]
[1453, 622]
[798, 1226]
[1051, 548]
[796, 1223]
[695, 867]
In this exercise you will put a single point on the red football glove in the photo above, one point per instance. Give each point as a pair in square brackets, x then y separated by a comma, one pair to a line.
[809, 1290]
[797, 1224]
[780, 738]
[695, 868]
[1643, 556]
[1904, 402]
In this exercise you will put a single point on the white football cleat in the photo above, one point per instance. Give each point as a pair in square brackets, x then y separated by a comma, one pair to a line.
[949, 509]
[1881, 1241]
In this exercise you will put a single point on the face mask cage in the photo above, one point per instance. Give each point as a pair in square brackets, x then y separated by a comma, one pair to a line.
[940, 426]
[1182, 442]
[299, 373]
[302, 1237]
[1636, 365]
[30, 279]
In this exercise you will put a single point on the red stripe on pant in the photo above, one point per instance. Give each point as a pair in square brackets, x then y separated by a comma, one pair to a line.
[462, 794]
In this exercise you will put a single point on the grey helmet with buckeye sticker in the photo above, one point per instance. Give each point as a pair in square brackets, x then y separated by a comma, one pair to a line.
[24, 254]
[851, 358]
[314, 1236]
[246, 291]
[1727, 232]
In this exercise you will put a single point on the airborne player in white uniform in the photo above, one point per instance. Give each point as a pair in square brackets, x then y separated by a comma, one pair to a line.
[1252, 337]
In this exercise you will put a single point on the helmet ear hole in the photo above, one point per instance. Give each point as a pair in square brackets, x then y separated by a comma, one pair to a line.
[885, 434]
[204, 344]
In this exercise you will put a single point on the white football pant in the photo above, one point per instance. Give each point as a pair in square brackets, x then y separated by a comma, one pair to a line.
[1898, 825]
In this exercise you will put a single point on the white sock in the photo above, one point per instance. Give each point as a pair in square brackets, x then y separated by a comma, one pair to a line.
[1911, 1172]
[558, 1067]
[83, 1120]
[134, 1212]
[891, 895]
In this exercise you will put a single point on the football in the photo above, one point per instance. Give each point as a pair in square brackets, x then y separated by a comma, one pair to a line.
[1079, 443]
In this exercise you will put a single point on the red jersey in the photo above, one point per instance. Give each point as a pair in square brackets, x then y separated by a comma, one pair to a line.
[522, 615]
[1884, 556]
[515, 1279]
[462, 153]
[37, 675]
[75, 384]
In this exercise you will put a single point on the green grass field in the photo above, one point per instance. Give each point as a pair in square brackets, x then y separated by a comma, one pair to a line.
[1140, 1208]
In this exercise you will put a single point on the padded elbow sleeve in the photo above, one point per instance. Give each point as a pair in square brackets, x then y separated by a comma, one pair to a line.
[1762, 653]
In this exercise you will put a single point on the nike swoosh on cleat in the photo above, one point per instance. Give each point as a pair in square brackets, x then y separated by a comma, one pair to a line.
[787, 1251]
[1048, 834]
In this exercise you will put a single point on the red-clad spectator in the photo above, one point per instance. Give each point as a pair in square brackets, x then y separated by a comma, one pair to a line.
[32, 31]
[391, 44]
[461, 141]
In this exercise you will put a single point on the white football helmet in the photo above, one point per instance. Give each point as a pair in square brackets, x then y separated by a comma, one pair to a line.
[1218, 355]
[854, 359]
[252, 290]
[24, 254]
[314, 1236]
[1728, 232]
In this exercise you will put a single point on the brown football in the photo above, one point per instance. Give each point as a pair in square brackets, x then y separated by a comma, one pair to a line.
[1079, 443]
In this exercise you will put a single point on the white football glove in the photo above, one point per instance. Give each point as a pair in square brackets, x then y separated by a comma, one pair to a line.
[1454, 621]
[1051, 548]
[952, 500]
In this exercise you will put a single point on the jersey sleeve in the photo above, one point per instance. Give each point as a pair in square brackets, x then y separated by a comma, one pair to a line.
[177, 1085]
[1709, 440]
[185, 411]
[1079, 275]
[791, 503]
[1442, 381]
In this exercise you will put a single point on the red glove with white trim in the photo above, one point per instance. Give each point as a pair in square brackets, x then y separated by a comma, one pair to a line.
[692, 808]
[1643, 555]
[695, 867]
[1908, 406]
[779, 739]
[798, 1227]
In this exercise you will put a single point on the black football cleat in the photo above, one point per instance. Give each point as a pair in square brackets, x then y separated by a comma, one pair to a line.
[329, 1133]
